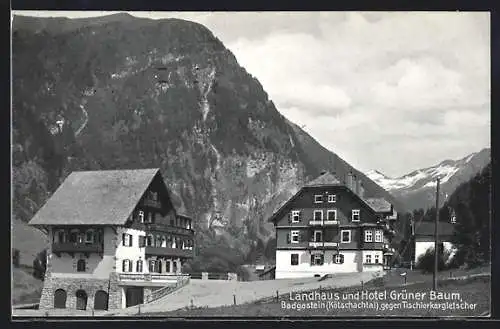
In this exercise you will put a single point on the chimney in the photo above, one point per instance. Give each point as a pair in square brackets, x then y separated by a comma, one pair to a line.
[361, 189]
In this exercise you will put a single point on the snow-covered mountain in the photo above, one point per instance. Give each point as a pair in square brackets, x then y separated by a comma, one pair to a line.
[417, 189]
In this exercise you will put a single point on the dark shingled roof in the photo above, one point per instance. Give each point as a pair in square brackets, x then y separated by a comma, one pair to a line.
[326, 179]
[379, 204]
[105, 197]
[427, 229]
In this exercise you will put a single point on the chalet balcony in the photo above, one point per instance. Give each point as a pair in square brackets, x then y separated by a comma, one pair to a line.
[170, 252]
[323, 245]
[323, 222]
[72, 247]
[152, 203]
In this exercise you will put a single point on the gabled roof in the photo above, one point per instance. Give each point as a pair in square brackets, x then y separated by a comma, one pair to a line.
[427, 229]
[104, 197]
[327, 179]
[379, 204]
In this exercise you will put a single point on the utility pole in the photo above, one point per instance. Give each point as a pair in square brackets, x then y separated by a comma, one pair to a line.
[436, 240]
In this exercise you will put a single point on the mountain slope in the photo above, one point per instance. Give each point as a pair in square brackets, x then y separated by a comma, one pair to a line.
[417, 189]
[119, 92]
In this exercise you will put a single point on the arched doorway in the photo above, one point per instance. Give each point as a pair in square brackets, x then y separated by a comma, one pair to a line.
[81, 300]
[60, 298]
[101, 300]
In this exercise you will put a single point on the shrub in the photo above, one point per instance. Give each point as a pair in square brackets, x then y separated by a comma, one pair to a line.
[426, 261]
[40, 265]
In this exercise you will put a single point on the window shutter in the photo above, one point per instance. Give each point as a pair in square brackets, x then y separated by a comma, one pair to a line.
[123, 239]
[289, 217]
[130, 238]
[312, 259]
[341, 259]
[322, 259]
[300, 216]
[124, 266]
[288, 238]
[130, 266]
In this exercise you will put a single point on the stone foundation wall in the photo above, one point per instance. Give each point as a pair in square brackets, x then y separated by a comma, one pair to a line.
[72, 285]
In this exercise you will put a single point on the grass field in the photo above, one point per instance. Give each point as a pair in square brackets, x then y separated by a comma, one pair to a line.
[473, 291]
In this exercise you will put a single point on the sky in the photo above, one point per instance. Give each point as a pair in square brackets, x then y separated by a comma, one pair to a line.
[389, 91]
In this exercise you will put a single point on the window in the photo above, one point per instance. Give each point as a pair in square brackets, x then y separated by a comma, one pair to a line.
[149, 217]
[379, 237]
[141, 216]
[355, 215]
[318, 214]
[81, 237]
[368, 236]
[318, 198]
[331, 214]
[318, 236]
[338, 259]
[317, 259]
[295, 216]
[295, 236]
[368, 259]
[73, 237]
[61, 236]
[126, 265]
[89, 236]
[377, 259]
[139, 266]
[294, 259]
[149, 240]
[142, 241]
[167, 266]
[154, 196]
[127, 240]
[345, 236]
[158, 241]
[80, 265]
[332, 198]
[152, 266]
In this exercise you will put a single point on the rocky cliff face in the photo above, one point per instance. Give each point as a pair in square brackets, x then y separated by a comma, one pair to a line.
[123, 92]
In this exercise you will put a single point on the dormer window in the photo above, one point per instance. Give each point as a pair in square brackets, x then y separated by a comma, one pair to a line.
[332, 198]
[318, 198]
[355, 215]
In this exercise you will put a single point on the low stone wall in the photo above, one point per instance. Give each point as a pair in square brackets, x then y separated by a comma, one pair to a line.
[72, 285]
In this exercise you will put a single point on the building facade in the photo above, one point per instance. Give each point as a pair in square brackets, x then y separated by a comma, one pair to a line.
[424, 239]
[329, 227]
[114, 237]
